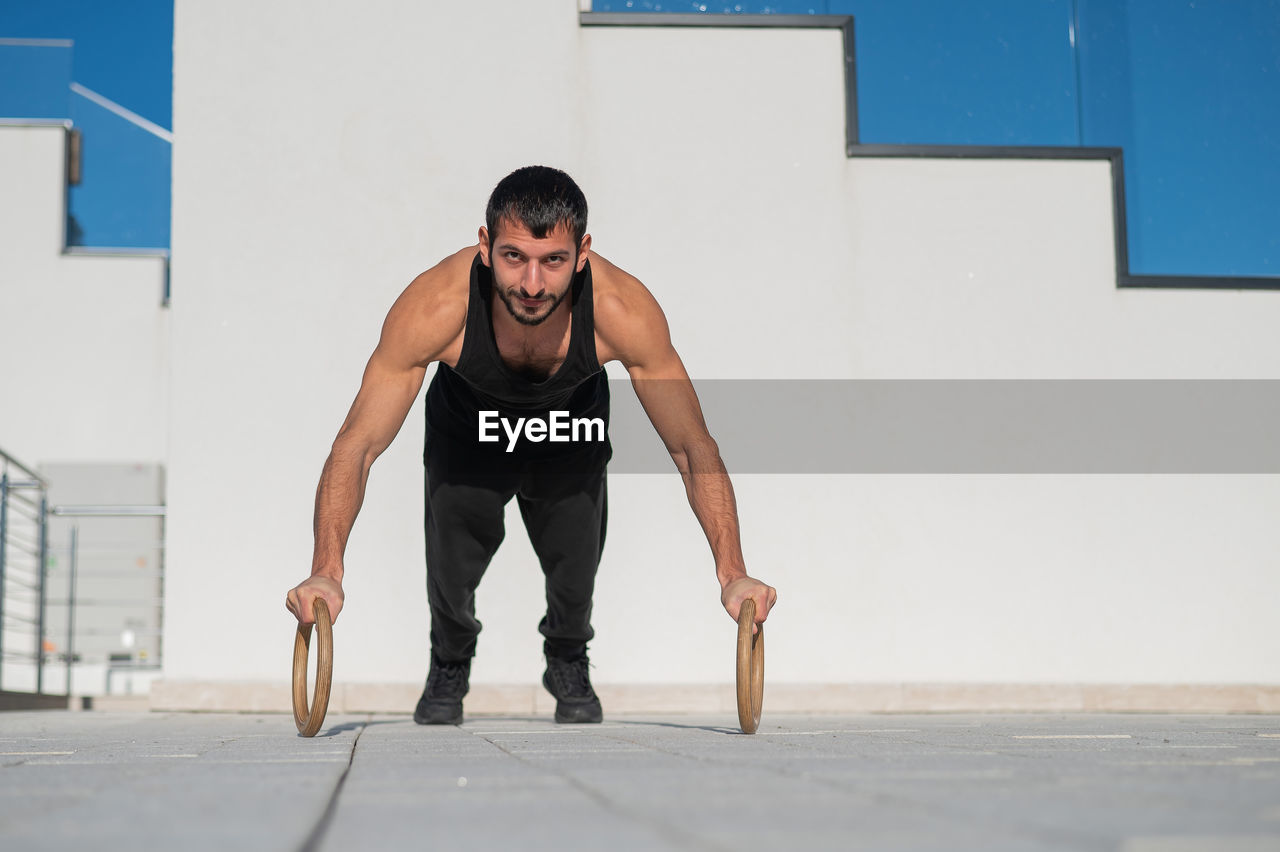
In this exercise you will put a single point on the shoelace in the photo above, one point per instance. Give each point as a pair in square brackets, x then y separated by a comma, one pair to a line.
[571, 677]
[449, 678]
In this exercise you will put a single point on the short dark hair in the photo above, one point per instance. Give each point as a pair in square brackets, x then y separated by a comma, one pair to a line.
[540, 198]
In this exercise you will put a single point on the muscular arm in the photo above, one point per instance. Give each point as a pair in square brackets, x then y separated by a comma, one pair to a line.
[422, 325]
[389, 387]
[668, 398]
[634, 330]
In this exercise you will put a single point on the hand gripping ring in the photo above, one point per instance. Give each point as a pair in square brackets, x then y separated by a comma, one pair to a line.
[309, 721]
[750, 668]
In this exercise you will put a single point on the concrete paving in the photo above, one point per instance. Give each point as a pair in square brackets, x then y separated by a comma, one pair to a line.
[127, 781]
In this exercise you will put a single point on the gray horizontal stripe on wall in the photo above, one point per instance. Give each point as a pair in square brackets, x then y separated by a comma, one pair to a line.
[970, 426]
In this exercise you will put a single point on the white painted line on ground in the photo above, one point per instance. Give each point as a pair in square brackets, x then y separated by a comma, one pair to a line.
[574, 752]
[498, 733]
[1199, 842]
[632, 725]
[554, 730]
[280, 760]
[1270, 736]
[948, 774]
[115, 762]
[842, 731]
[1235, 761]
[1073, 736]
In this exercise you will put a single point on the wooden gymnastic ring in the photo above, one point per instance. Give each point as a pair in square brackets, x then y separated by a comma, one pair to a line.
[750, 668]
[310, 720]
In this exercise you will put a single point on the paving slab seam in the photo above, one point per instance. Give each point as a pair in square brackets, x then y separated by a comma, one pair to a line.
[1078, 837]
[1141, 741]
[875, 796]
[685, 839]
[314, 839]
[883, 798]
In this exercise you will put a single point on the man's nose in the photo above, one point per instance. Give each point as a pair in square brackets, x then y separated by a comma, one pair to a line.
[533, 285]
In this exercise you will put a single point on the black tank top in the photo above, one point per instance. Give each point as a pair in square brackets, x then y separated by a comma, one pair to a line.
[481, 381]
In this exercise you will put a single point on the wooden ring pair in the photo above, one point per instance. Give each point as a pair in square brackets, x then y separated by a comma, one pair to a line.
[750, 668]
[310, 719]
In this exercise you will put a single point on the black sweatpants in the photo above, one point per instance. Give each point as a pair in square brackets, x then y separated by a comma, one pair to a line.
[563, 503]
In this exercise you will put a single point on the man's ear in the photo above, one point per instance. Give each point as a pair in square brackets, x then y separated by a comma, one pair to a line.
[582, 251]
[484, 246]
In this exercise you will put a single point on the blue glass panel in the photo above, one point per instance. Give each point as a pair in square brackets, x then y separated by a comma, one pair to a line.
[1203, 134]
[123, 198]
[35, 81]
[938, 72]
[1189, 89]
[124, 51]
[123, 48]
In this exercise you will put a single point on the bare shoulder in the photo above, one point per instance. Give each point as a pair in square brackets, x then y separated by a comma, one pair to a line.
[629, 321]
[616, 289]
[442, 286]
[427, 320]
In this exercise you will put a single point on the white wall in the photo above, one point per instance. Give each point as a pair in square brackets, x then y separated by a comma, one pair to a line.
[84, 341]
[327, 154]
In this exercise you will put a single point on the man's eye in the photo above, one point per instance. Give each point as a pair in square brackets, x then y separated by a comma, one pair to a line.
[511, 255]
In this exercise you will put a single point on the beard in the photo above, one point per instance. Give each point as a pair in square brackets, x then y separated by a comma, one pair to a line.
[521, 314]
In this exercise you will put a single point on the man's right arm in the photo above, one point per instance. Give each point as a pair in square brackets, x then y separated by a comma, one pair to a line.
[423, 325]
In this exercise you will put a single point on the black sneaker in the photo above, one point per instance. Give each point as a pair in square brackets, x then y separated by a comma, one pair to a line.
[568, 681]
[441, 701]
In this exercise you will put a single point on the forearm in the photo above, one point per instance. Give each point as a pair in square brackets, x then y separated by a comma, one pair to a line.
[711, 497]
[339, 497]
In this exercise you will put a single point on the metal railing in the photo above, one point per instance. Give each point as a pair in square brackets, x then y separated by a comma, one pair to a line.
[24, 543]
[114, 626]
[81, 589]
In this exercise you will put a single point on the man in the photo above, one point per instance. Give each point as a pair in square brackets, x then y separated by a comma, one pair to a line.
[521, 326]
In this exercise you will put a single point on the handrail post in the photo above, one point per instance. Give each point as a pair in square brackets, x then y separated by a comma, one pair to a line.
[162, 560]
[71, 605]
[44, 570]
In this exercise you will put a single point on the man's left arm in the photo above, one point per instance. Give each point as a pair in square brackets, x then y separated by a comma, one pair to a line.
[664, 389]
